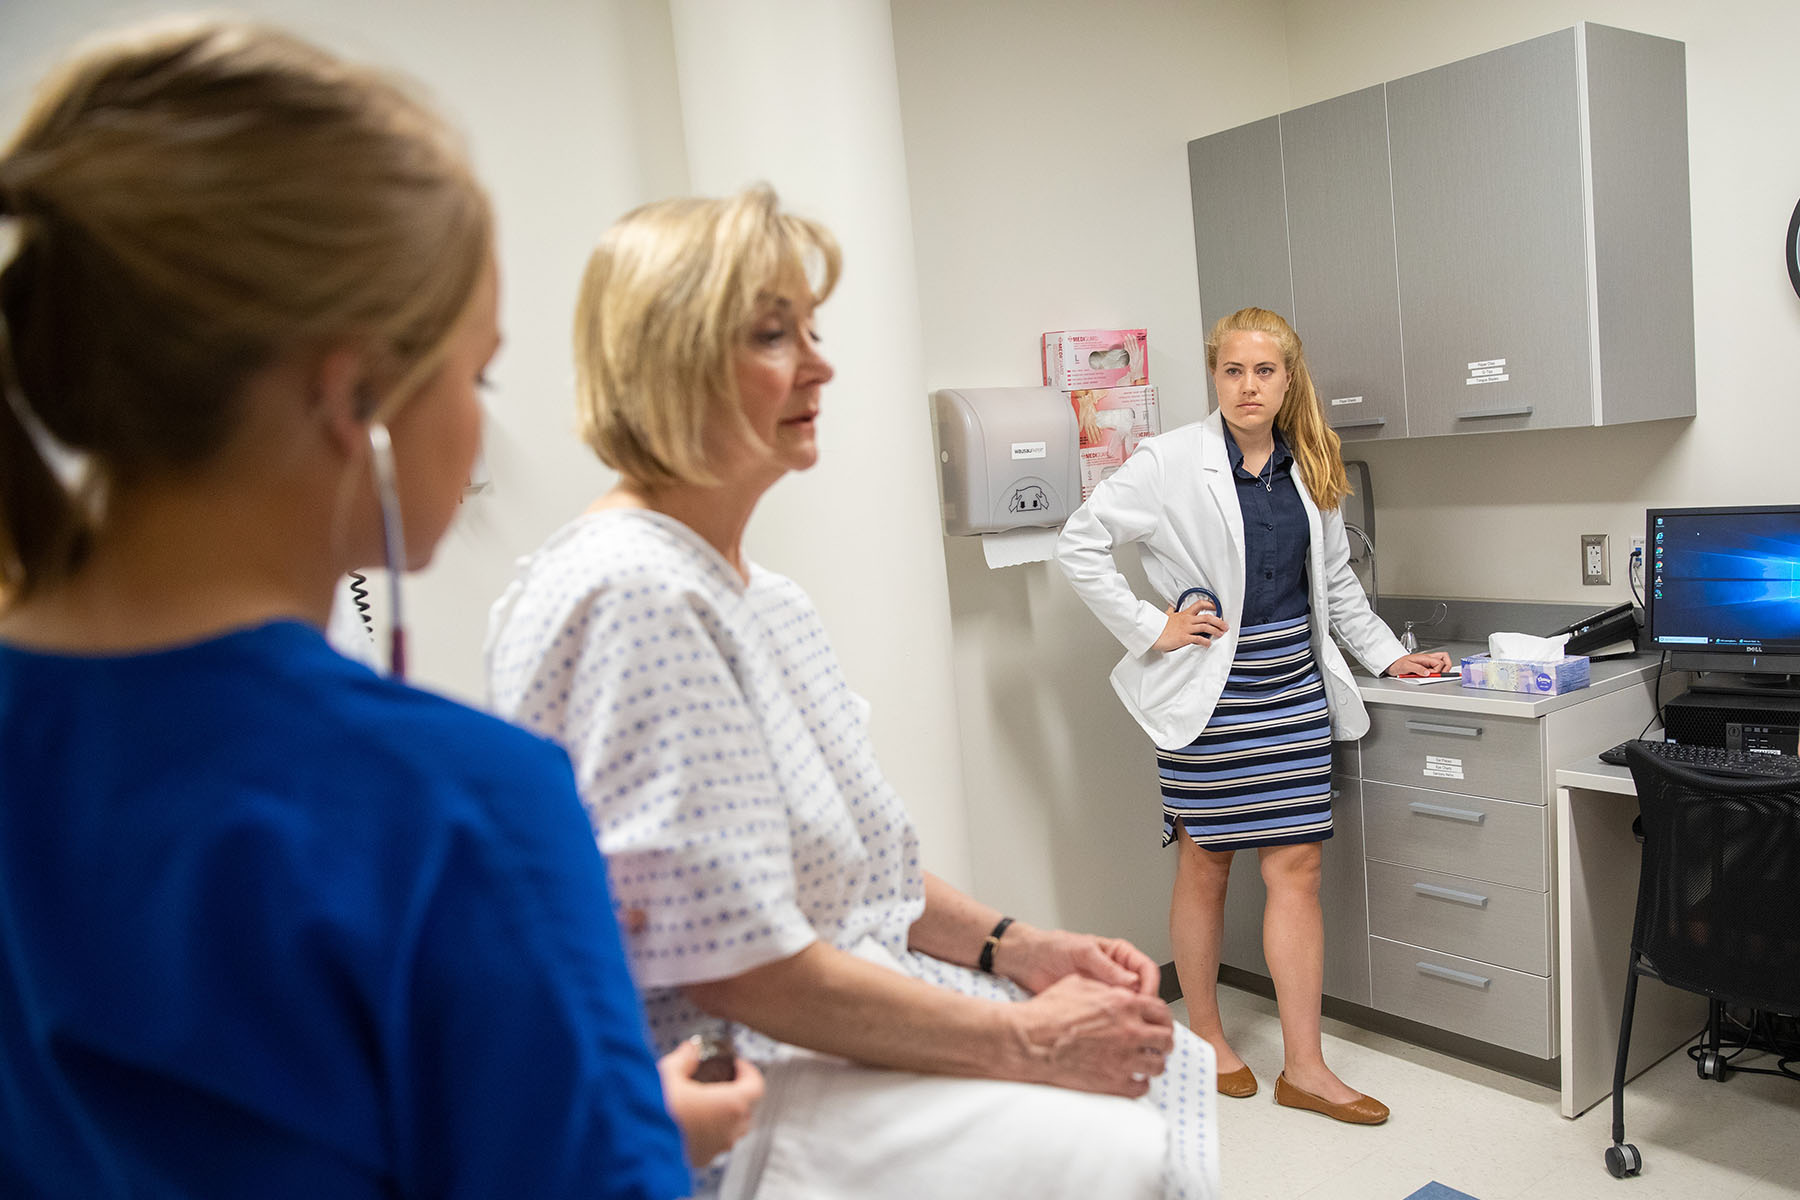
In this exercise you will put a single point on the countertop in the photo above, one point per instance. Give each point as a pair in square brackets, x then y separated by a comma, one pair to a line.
[1608, 675]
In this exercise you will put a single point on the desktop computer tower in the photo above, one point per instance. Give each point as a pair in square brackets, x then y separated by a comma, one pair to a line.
[1734, 721]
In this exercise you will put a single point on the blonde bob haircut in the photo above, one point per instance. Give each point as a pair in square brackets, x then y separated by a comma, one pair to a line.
[1314, 444]
[668, 295]
[189, 201]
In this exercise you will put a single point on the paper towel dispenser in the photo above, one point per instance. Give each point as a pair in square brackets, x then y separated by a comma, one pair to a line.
[1008, 458]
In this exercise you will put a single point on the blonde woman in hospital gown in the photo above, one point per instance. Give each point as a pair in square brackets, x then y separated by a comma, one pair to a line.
[769, 878]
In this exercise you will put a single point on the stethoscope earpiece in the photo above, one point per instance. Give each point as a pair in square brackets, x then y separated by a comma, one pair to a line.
[393, 540]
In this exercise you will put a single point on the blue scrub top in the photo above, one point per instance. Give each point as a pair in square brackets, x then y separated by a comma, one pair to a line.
[273, 926]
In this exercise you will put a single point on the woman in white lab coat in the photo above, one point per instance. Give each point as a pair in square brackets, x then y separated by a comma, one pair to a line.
[1242, 690]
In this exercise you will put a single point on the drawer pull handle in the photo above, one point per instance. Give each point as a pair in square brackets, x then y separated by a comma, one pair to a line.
[1472, 899]
[1336, 792]
[1433, 727]
[1462, 977]
[1523, 410]
[1365, 423]
[1455, 814]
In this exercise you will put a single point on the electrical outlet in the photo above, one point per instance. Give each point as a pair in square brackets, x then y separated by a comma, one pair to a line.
[1596, 565]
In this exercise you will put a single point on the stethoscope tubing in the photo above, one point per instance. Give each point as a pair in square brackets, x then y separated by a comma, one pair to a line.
[1204, 594]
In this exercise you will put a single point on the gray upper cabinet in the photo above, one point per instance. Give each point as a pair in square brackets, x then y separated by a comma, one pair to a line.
[1236, 180]
[1341, 236]
[1501, 243]
[1492, 244]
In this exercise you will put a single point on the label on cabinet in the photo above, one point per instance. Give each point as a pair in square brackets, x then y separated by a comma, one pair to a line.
[1346, 400]
[1488, 370]
[1440, 767]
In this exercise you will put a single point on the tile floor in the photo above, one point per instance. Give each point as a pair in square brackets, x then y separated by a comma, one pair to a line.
[1494, 1136]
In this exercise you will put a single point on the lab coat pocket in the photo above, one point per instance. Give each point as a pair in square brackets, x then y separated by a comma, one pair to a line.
[1349, 719]
[1158, 679]
[1160, 676]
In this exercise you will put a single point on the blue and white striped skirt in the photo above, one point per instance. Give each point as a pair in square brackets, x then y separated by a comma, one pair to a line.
[1259, 774]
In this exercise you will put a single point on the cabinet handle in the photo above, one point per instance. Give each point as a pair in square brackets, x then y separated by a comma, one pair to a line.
[1336, 792]
[1433, 727]
[1455, 814]
[1365, 423]
[1462, 977]
[1472, 899]
[1476, 414]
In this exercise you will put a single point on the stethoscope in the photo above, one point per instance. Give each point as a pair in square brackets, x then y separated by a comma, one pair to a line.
[393, 540]
[1202, 593]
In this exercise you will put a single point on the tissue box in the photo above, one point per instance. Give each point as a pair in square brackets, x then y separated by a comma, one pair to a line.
[1112, 422]
[1096, 358]
[1550, 677]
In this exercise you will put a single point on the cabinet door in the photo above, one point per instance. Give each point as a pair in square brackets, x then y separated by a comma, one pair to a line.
[1240, 223]
[1341, 896]
[1341, 239]
[1491, 237]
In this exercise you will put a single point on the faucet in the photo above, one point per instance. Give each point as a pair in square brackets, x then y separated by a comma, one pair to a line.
[1369, 546]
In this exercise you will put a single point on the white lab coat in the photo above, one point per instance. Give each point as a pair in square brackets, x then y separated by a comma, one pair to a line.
[1191, 533]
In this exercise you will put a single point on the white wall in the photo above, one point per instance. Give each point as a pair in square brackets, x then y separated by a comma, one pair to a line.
[1046, 146]
[1045, 164]
[801, 93]
[572, 117]
[1050, 191]
[575, 114]
[1500, 514]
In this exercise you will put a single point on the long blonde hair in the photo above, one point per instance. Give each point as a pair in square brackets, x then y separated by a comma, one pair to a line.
[667, 294]
[191, 201]
[1313, 443]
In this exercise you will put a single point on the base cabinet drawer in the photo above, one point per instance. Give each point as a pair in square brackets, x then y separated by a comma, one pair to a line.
[1471, 836]
[1488, 922]
[1475, 754]
[1476, 999]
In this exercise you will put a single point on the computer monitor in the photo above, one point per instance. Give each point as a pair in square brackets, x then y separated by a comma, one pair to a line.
[1722, 589]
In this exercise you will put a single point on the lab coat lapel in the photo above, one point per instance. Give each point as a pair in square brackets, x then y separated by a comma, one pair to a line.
[1315, 546]
[1215, 467]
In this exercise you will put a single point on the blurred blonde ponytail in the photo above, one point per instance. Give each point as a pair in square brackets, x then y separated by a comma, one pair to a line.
[192, 200]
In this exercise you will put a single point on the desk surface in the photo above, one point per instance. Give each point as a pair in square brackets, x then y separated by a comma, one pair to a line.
[1596, 776]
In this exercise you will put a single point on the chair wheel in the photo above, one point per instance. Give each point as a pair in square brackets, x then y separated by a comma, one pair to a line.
[1622, 1161]
[1710, 1065]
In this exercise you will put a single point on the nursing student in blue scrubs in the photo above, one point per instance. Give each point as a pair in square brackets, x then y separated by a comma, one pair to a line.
[1243, 697]
[272, 925]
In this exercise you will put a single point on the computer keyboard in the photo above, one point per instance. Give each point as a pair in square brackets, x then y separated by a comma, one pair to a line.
[1733, 763]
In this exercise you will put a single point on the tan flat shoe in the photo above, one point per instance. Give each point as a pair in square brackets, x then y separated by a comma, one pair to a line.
[1239, 1083]
[1364, 1110]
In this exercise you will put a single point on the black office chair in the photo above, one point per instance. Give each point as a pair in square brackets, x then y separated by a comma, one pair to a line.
[1718, 908]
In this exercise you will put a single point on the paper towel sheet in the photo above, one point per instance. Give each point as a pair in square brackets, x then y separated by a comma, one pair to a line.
[1017, 546]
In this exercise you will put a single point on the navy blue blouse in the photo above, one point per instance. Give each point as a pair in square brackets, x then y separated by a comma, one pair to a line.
[1275, 536]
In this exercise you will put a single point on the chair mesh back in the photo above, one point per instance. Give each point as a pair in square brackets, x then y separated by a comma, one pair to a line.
[1718, 907]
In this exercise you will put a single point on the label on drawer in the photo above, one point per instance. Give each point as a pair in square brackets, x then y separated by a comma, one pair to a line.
[1439, 767]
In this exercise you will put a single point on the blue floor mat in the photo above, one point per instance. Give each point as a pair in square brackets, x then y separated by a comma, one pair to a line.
[1437, 1191]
